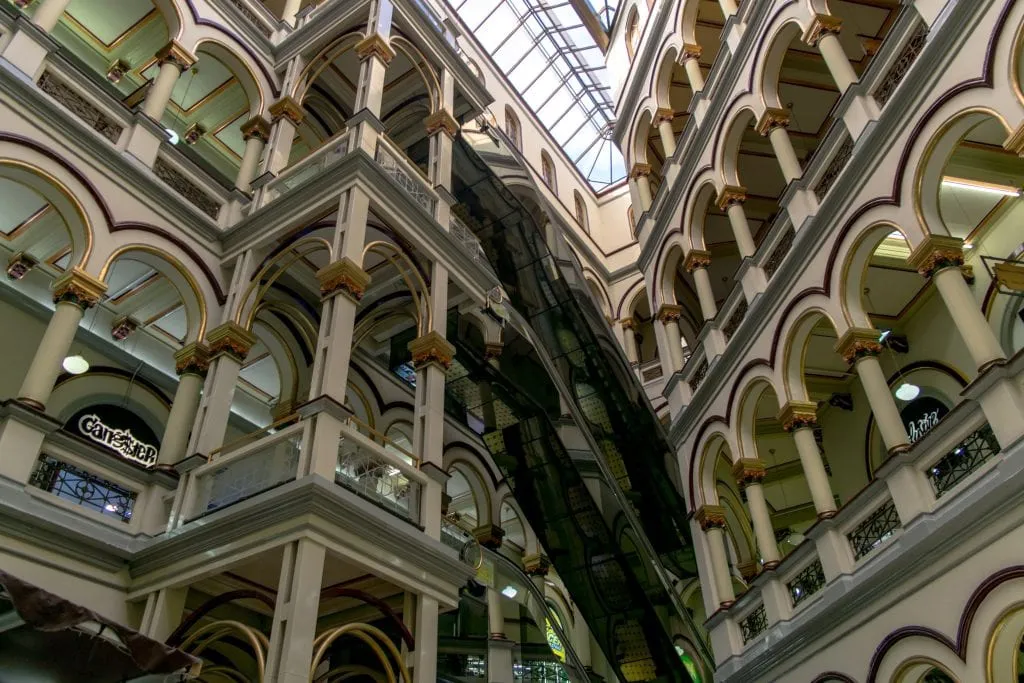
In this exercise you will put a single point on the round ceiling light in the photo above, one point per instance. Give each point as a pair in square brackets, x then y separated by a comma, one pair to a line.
[75, 365]
[908, 391]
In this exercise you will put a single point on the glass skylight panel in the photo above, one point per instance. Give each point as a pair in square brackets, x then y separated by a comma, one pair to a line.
[605, 11]
[553, 62]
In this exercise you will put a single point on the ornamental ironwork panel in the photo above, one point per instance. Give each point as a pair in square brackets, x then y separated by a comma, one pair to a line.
[415, 188]
[807, 582]
[874, 530]
[82, 487]
[699, 375]
[80, 107]
[653, 373]
[186, 188]
[735, 320]
[372, 476]
[779, 253]
[754, 624]
[835, 167]
[902, 65]
[965, 458]
[251, 16]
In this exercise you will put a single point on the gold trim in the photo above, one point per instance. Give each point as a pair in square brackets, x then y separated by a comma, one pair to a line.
[327, 56]
[697, 258]
[288, 108]
[256, 127]
[669, 313]
[442, 121]
[375, 45]
[639, 171]
[711, 517]
[663, 115]
[312, 243]
[690, 51]
[230, 339]
[822, 25]
[798, 415]
[79, 288]
[749, 471]
[378, 247]
[192, 359]
[857, 343]
[771, 119]
[176, 53]
[431, 348]
[343, 276]
[125, 35]
[731, 195]
[935, 253]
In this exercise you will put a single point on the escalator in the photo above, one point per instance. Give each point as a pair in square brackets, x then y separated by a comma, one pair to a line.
[564, 359]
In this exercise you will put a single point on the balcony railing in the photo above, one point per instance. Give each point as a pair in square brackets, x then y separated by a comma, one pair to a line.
[754, 624]
[876, 529]
[966, 458]
[256, 14]
[807, 582]
[406, 174]
[82, 487]
[309, 167]
[468, 241]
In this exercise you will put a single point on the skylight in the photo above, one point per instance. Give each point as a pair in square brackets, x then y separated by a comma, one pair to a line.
[605, 11]
[549, 56]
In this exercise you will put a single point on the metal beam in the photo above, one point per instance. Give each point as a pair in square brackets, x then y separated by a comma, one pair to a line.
[592, 22]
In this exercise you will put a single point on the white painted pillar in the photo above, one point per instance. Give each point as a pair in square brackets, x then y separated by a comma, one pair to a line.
[286, 115]
[712, 520]
[663, 120]
[969, 321]
[229, 344]
[860, 347]
[640, 174]
[824, 33]
[48, 14]
[668, 316]
[731, 200]
[256, 133]
[800, 419]
[629, 340]
[290, 655]
[729, 7]
[192, 365]
[750, 473]
[290, 10]
[697, 263]
[691, 62]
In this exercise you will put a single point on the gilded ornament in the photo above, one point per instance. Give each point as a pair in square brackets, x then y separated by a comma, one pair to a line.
[749, 471]
[731, 195]
[492, 351]
[193, 359]
[696, 259]
[343, 276]
[174, 53]
[122, 327]
[822, 25]
[640, 171]
[857, 343]
[78, 288]
[538, 564]
[287, 108]
[230, 339]
[664, 116]
[442, 121]
[193, 133]
[489, 536]
[375, 45]
[710, 517]
[691, 51]
[771, 119]
[670, 313]
[116, 71]
[798, 415]
[256, 127]
[19, 265]
[431, 348]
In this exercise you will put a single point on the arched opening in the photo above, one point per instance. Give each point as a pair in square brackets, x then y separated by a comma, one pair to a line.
[711, 232]
[580, 211]
[632, 33]
[513, 129]
[463, 501]
[547, 171]
[751, 167]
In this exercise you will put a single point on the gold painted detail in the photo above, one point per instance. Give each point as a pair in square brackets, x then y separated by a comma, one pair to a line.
[116, 70]
[193, 359]
[664, 116]
[431, 348]
[256, 127]
[1015, 143]
[670, 313]
[287, 108]
[489, 536]
[731, 195]
[442, 120]
[710, 517]
[492, 351]
[79, 288]
[1009, 275]
[822, 25]
[175, 53]
[697, 259]
[771, 119]
[691, 51]
[798, 415]
[193, 133]
[857, 343]
[344, 276]
[935, 253]
[640, 171]
[230, 339]
[749, 471]
[375, 45]
[122, 327]
[19, 264]
[629, 323]
[537, 564]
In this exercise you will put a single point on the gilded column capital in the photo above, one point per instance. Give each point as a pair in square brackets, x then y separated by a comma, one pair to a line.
[710, 517]
[431, 348]
[822, 25]
[442, 120]
[857, 343]
[343, 276]
[771, 119]
[664, 115]
[935, 253]
[175, 53]
[79, 288]
[691, 51]
[287, 108]
[192, 359]
[629, 323]
[798, 415]
[696, 259]
[731, 195]
[256, 127]
[230, 339]
[537, 564]
[374, 45]
[489, 536]
[493, 350]
[749, 471]
[670, 313]
[640, 171]
[122, 327]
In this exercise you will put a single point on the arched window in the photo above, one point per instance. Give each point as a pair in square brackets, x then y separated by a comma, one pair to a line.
[547, 171]
[581, 211]
[513, 130]
[632, 33]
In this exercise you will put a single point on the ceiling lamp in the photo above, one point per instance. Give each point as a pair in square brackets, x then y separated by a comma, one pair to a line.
[172, 137]
[907, 391]
[510, 591]
[75, 365]
[978, 186]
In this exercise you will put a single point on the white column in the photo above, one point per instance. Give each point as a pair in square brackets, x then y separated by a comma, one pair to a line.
[749, 473]
[696, 264]
[162, 613]
[860, 347]
[823, 33]
[48, 13]
[800, 419]
[712, 520]
[285, 117]
[425, 657]
[663, 120]
[173, 59]
[641, 175]
[773, 125]
[290, 10]
[629, 340]
[731, 200]
[668, 316]
[729, 7]
[290, 654]
[691, 62]
[192, 365]
[229, 344]
[256, 133]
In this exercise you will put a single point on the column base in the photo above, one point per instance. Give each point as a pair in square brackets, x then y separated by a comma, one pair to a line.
[828, 514]
[771, 565]
[144, 140]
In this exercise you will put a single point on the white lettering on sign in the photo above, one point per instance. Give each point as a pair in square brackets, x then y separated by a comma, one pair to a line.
[121, 441]
[921, 426]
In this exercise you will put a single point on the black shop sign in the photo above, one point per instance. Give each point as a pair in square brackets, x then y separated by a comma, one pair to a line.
[116, 429]
[921, 415]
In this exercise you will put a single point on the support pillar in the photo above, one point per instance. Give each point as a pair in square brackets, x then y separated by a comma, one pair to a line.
[640, 174]
[731, 200]
[290, 655]
[669, 315]
[425, 657]
[163, 612]
[629, 340]
[697, 263]
[729, 7]
[772, 125]
[147, 133]
[290, 11]
[229, 344]
[823, 33]
[860, 347]
[712, 520]
[375, 54]
[663, 120]
[191, 363]
[750, 474]
[256, 133]
[286, 116]
[690, 59]
[799, 419]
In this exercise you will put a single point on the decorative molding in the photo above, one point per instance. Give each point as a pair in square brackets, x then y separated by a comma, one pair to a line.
[343, 276]
[256, 127]
[175, 53]
[441, 120]
[690, 51]
[537, 564]
[493, 350]
[376, 46]
[664, 115]
[489, 536]
[629, 323]
[798, 415]
[116, 70]
[857, 343]
[193, 133]
[431, 348]
[288, 108]
[935, 253]
[230, 339]
[710, 517]
[192, 359]
[822, 25]
[731, 195]
[19, 264]
[122, 327]
[749, 471]
[771, 119]
[697, 258]
[79, 288]
[1015, 143]
[670, 313]
[639, 171]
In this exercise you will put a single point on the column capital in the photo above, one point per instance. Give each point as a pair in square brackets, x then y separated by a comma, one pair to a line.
[288, 108]
[857, 343]
[697, 258]
[256, 127]
[822, 25]
[935, 253]
[175, 53]
[639, 171]
[343, 276]
[690, 51]
[493, 350]
[664, 115]
[537, 564]
[230, 339]
[431, 348]
[79, 288]
[192, 359]
[749, 471]
[731, 195]
[374, 45]
[489, 536]
[771, 119]
[710, 517]
[798, 415]
[629, 323]
[670, 313]
[442, 120]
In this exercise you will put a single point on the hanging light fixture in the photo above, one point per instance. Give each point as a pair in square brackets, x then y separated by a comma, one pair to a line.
[906, 391]
[75, 365]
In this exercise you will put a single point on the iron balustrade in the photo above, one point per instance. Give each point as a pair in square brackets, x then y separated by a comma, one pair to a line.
[80, 106]
[371, 475]
[310, 167]
[902, 65]
[83, 488]
[875, 530]
[808, 582]
[754, 624]
[393, 163]
[177, 181]
[966, 457]
[835, 167]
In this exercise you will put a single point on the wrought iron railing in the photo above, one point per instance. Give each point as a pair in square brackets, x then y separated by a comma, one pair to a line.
[966, 457]
[468, 241]
[735, 320]
[901, 66]
[97, 119]
[754, 624]
[699, 374]
[779, 253]
[380, 477]
[177, 181]
[808, 582]
[81, 487]
[835, 167]
[405, 173]
[877, 528]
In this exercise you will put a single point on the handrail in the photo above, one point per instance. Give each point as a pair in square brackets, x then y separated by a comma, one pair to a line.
[413, 473]
[360, 426]
[305, 161]
[230, 446]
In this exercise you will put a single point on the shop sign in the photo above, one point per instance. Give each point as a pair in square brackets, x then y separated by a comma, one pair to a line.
[118, 429]
[921, 416]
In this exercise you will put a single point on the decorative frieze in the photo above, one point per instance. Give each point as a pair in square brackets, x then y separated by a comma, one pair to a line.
[256, 127]
[175, 53]
[195, 195]
[771, 119]
[749, 471]
[857, 343]
[80, 107]
[799, 415]
[442, 121]
[696, 259]
[287, 108]
[710, 517]
[79, 288]
[822, 25]
[230, 339]
[731, 195]
[344, 276]
[431, 348]
[935, 253]
[374, 45]
[670, 313]
[19, 264]
[192, 359]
